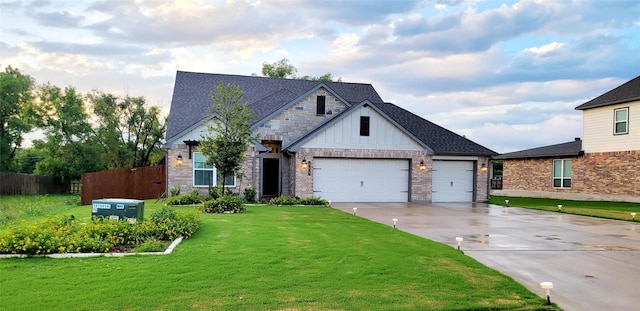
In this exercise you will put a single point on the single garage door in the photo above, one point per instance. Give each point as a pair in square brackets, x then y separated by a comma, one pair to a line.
[452, 181]
[361, 180]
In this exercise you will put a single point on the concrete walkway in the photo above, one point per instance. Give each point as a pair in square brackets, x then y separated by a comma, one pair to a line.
[594, 264]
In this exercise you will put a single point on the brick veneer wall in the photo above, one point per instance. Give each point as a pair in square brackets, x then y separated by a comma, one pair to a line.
[599, 175]
[182, 176]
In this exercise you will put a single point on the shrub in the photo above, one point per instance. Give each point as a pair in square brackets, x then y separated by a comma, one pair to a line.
[175, 191]
[286, 200]
[313, 201]
[227, 203]
[283, 200]
[67, 235]
[187, 199]
[214, 192]
[250, 195]
[152, 245]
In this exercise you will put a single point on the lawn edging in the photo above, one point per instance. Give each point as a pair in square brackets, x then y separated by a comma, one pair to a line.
[168, 251]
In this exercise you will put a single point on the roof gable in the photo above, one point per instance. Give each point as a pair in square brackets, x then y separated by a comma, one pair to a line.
[439, 139]
[626, 92]
[265, 96]
[573, 148]
[295, 146]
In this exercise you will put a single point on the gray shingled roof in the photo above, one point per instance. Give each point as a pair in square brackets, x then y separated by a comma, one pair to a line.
[441, 140]
[192, 99]
[573, 148]
[627, 92]
[192, 95]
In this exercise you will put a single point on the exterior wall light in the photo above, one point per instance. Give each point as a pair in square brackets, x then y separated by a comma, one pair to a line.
[547, 286]
[459, 240]
[422, 166]
[306, 166]
[179, 160]
[484, 167]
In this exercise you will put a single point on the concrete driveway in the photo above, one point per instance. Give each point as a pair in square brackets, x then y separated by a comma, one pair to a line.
[594, 264]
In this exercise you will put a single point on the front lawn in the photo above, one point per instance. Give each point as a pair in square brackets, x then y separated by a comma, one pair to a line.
[602, 209]
[271, 258]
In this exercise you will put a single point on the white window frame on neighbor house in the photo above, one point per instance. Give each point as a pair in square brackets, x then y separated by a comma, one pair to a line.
[624, 121]
[563, 173]
[199, 165]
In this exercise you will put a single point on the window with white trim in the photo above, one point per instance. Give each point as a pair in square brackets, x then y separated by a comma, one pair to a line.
[205, 174]
[621, 121]
[562, 173]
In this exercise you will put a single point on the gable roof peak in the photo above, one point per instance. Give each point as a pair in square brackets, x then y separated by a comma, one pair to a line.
[628, 91]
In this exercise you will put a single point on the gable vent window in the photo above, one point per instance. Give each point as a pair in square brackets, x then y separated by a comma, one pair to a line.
[364, 126]
[320, 104]
[621, 121]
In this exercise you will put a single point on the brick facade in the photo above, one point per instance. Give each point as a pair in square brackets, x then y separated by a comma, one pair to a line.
[602, 176]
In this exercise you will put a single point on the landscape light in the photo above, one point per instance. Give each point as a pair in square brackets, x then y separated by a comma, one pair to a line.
[506, 202]
[459, 240]
[355, 209]
[633, 216]
[559, 207]
[395, 221]
[547, 286]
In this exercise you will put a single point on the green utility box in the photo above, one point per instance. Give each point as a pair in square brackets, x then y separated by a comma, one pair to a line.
[132, 210]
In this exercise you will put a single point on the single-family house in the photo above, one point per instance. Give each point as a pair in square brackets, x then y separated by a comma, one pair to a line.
[604, 165]
[335, 140]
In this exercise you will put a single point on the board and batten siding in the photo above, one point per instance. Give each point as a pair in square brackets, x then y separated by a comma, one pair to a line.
[345, 134]
[598, 129]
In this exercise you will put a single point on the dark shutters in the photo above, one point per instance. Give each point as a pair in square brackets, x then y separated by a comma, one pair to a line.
[364, 126]
[320, 104]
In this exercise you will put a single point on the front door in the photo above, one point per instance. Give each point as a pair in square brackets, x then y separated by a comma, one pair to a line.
[270, 177]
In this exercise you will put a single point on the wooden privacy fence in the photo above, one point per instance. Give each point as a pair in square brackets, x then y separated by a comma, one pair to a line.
[15, 183]
[137, 183]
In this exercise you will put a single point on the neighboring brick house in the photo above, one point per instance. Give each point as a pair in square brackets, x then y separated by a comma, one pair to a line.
[605, 165]
[335, 140]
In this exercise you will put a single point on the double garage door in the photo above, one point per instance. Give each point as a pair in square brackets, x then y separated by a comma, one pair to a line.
[361, 180]
[385, 180]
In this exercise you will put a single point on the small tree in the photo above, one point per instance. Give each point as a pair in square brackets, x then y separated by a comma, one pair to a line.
[230, 131]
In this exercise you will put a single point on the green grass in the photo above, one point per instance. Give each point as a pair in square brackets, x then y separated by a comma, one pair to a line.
[602, 209]
[16, 207]
[270, 258]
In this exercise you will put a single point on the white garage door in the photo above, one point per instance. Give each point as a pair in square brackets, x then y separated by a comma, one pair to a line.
[452, 181]
[361, 180]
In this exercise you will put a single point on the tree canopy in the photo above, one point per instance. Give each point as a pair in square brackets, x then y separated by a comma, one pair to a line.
[17, 114]
[83, 132]
[283, 69]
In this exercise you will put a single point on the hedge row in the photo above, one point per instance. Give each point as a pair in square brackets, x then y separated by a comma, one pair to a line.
[68, 235]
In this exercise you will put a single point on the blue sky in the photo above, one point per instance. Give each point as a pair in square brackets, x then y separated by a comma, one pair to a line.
[506, 74]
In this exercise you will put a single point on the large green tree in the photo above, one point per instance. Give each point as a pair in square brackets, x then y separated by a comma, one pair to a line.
[17, 114]
[129, 131]
[70, 148]
[283, 69]
[230, 131]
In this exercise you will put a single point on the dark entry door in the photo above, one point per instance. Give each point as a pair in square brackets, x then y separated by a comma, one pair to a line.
[270, 177]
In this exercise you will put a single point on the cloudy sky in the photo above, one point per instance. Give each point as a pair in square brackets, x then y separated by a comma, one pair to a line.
[507, 74]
